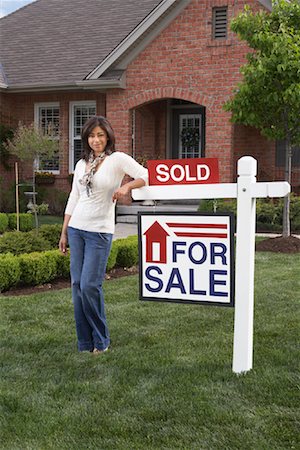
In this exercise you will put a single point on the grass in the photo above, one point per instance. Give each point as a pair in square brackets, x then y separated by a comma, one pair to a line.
[50, 220]
[167, 381]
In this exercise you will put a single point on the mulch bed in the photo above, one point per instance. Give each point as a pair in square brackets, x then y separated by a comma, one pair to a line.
[279, 244]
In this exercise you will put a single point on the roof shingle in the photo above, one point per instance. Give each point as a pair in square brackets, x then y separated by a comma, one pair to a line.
[52, 41]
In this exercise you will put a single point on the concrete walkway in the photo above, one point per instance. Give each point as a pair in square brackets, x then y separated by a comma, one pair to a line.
[125, 229]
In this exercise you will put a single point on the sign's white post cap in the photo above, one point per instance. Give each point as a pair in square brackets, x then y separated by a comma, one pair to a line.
[247, 165]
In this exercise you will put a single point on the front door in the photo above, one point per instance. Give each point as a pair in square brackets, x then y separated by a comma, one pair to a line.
[188, 133]
[189, 136]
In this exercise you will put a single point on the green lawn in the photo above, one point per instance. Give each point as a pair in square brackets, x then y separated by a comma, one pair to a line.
[50, 220]
[167, 381]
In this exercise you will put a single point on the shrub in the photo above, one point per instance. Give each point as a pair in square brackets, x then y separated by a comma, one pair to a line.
[37, 268]
[26, 221]
[111, 262]
[41, 209]
[217, 205]
[18, 243]
[3, 222]
[9, 271]
[127, 251]
[63, 264]
[51, 233]
[267, 212]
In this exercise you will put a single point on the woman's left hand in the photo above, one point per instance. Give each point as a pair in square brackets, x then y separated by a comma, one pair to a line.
[122, 192]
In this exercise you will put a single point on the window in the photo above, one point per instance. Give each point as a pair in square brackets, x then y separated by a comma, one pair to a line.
[79, 113]
[219, 23]
[190, 135]
[280, 155]
[47, 119]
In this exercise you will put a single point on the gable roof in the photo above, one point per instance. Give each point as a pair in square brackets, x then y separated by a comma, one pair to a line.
[59, 42]
[67, 44]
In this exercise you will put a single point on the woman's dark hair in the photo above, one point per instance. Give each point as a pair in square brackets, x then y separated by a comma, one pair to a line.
[90, 124]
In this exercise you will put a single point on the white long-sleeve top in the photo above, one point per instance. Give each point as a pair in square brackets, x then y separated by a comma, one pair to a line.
[96, 212]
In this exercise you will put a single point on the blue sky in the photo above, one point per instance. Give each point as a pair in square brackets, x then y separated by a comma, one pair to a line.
[8, 6]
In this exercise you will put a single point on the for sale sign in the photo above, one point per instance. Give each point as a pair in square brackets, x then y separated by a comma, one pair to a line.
[186, 258]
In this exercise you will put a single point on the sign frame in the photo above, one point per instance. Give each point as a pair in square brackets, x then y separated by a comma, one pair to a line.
[228, 215]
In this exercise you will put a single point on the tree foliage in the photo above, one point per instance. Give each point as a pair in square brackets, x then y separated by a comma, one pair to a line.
[30, 143]
[6, 133]
[268, 98]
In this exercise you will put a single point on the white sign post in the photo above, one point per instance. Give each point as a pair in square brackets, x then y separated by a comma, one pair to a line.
[246, 190]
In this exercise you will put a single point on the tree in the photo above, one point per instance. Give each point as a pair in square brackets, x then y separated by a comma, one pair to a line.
[6, 133]
[268, 98]
[32, 144]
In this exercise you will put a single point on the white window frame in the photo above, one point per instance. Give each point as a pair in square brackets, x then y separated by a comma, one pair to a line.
[72, 105]
[37, 107]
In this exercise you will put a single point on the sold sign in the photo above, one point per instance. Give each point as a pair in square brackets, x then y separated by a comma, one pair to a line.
[183, 171]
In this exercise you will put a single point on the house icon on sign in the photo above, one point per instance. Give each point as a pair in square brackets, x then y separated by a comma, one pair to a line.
[156, 244]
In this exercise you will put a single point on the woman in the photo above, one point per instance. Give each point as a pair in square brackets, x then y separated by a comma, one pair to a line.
[89, 226]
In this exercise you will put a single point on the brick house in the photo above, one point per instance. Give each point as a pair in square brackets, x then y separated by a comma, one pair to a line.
[156, 68]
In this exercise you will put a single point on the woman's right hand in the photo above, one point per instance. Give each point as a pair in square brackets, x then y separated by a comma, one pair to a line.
[63, 242]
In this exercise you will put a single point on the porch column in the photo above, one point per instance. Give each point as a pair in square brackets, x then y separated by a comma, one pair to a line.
[119, 117]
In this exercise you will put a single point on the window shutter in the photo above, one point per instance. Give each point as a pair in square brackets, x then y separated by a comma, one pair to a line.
[220, 23]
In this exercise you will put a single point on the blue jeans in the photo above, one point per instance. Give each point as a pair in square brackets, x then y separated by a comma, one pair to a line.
[89, 254]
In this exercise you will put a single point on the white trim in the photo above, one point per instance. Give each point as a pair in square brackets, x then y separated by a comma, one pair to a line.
[37, 107]
[103, 84]
[134, 35]
[41, 105]
[87, 103]
[96, 85]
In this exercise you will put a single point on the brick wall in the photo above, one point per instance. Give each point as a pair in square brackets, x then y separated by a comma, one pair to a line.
[249, 141]
[183, 62]
[20, 107]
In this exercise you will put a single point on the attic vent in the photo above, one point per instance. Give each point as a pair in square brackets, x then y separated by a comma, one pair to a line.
[219, 23]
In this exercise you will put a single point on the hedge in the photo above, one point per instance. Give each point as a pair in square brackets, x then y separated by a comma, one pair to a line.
[42, 267]
[9, 222]
[37, 268]
[51, 233]
[127, 255]
[112, 259]
[26, 221]
[9, 271]
[3, 222]
[27, 242]
[45, 238]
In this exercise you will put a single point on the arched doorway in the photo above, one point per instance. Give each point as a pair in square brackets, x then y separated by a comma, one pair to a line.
[187, 129]
[168, 129]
